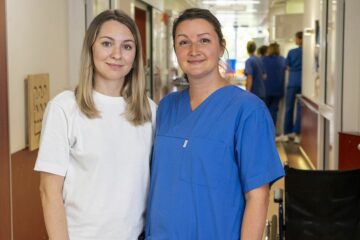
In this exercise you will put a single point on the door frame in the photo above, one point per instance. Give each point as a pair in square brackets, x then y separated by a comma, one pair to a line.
[5, 196]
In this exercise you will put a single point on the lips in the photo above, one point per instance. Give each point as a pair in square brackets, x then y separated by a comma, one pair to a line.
[115, 66]
[195, 61]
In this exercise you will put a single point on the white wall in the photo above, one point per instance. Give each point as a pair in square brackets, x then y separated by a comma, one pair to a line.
[311, 13]
[37, 42]
[126, 6]
[351, 87]
[76, 32]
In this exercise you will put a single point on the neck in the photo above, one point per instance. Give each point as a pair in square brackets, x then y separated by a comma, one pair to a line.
[109, 88]
[200, 89]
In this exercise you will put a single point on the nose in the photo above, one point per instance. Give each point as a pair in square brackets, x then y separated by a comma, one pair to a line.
[193, 49]
[116, 53]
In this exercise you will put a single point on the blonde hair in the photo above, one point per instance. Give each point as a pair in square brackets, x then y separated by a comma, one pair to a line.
[133, 91]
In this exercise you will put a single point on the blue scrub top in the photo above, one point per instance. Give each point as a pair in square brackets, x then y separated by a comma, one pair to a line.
[275, 67]
[205, 160]
[254, 67]
[294, 62]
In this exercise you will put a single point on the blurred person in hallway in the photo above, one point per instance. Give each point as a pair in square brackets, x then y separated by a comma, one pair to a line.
[275, 67]
[254, 72]
[209, 178]
[262, 51]
[96, 141]
[294, 65]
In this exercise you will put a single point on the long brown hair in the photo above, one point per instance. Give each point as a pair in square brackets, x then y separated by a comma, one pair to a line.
[133, 91]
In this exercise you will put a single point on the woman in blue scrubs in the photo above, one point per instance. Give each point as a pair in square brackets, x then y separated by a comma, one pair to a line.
[254, 72]
[275, 67]
[294, 64]
[214, 155]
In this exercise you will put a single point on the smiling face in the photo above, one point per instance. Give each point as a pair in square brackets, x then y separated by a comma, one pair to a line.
[114, 52]
[198, 48]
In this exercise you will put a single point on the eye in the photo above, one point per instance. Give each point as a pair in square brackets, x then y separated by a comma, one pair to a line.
[204, 40]
[106, 43]
[183, 43]
[128, 47]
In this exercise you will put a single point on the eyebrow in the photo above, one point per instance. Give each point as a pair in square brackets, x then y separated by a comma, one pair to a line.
[112, 39]
[199, 35]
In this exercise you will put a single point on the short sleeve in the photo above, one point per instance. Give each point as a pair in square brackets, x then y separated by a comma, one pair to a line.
[256, 152]
[249, 69]
[289, 58]
[54, 151]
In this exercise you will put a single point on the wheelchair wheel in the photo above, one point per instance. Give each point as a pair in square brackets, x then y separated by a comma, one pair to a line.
[273, 230]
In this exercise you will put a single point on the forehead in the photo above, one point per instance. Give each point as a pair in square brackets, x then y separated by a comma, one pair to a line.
[195, 27]
[115, 29]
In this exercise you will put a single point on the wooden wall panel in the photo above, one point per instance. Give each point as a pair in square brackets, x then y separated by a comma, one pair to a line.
[349, 150]
[5, 217]
[309, 130]
[28, 218]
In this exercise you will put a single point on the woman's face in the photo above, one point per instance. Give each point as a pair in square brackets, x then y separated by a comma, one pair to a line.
[197, 48]
[114, 52]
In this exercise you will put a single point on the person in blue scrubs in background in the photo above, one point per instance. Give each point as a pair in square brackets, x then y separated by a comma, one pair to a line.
[294, 64]
[275, 67]
[255, 73]
[262, 51]
[214, 155]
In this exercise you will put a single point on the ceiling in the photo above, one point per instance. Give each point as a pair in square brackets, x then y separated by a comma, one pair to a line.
[243, 13]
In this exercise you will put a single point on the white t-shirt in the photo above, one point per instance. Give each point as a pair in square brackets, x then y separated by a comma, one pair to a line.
[105, 162]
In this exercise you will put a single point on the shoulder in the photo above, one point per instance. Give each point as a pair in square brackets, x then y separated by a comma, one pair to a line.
[246, 102]
[256, 61]
[64, 102]
[280, 59]
[64, 98]
[291, 52]
[251, 59]
[171, 98]
[295, 51]
[246, 98]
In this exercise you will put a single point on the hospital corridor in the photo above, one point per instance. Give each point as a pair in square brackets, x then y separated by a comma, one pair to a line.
[301, 58]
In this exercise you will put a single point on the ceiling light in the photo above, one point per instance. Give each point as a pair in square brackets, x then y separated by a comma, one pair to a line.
[230, 2]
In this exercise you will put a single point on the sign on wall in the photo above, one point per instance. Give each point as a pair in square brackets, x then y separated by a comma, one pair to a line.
[37, 99]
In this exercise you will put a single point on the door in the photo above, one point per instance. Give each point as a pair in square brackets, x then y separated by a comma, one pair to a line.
[143, 22]
[330, 89]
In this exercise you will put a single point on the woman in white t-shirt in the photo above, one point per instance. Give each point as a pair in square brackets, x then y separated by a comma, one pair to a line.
[96, 141]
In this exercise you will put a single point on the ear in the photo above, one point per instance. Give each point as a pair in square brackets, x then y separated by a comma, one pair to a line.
[223, 47]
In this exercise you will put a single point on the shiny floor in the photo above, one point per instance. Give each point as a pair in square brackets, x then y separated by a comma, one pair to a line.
[289, 152]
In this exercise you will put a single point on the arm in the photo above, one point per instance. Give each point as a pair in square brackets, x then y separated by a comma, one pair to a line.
[51, 186]
[249, 81]
[257, 201]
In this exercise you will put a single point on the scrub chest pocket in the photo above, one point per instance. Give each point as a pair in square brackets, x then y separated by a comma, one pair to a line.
[202, 162]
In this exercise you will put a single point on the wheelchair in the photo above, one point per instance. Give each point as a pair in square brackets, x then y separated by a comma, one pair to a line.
[318, 205]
